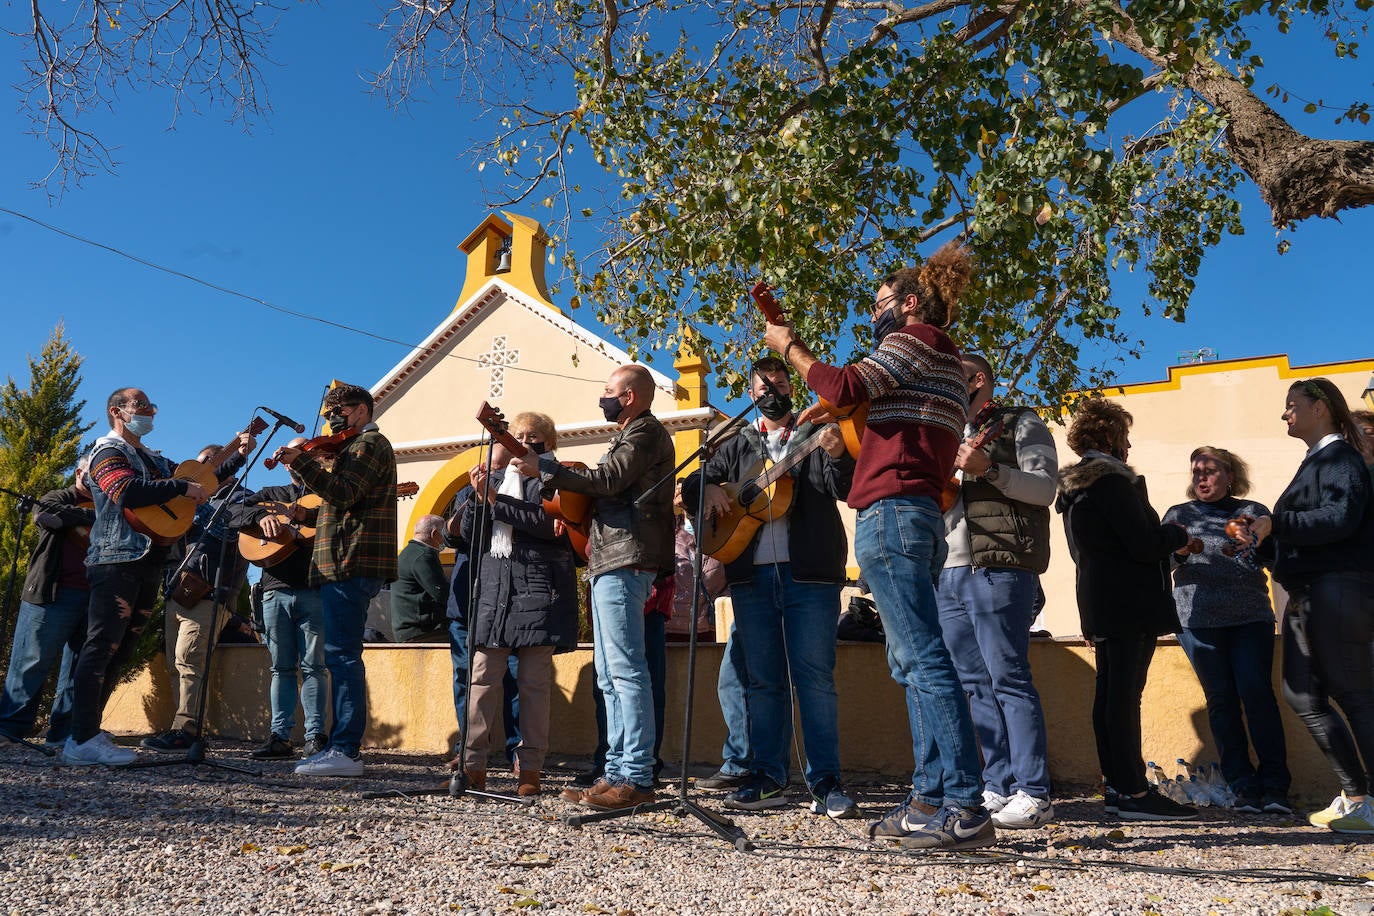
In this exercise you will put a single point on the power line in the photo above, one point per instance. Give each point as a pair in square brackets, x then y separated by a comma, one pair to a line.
[306, 316]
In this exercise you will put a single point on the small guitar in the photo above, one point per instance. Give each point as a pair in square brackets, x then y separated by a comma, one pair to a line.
[952, 486]
[574, 510]
[852, 419]
[762, 496]
[165, 522]
[266, 552]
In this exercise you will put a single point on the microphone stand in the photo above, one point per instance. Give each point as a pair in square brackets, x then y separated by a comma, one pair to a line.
[24, 505]
[682, 805]
[195, 754]
[459, 785]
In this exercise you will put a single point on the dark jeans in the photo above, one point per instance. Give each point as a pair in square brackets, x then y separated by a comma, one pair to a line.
[655, 652]
[345, 615]
[1123, 662]
[1235, 666]
[122, 599]
[1328, 654]
[510, 690]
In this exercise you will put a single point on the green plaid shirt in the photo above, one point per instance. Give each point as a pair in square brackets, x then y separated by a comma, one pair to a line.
[357, 522]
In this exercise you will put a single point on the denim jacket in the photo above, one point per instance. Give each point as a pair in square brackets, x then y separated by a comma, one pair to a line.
[113, 540]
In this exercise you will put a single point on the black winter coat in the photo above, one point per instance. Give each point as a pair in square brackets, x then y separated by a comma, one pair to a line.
[816, 543]
[530, 597]
[57, 514]
[1120, 550]
[1324, 521]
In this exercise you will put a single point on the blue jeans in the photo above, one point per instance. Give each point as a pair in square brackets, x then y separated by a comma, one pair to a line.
[986, 615]
[293, 619]
[732, 685]
[787, 631]
[345, 615]
[618, 599]
[900, 545]
[656, 655]
[41, 634]
[510, 690]
[1235, 666]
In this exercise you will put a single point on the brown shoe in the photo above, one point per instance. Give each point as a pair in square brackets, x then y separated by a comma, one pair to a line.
[477, 779]
[456, 763]
[527, 784]
[624, 795]
[576, 796]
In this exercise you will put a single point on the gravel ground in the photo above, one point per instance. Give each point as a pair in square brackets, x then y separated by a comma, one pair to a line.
[184, 839]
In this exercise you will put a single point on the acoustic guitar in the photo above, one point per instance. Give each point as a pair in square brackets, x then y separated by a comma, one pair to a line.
[266, 552]
[166, 521]
[950, 495]
[851, 419]
[574, 510]
[762, 496]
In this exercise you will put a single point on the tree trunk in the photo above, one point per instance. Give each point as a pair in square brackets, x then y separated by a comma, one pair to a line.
[1298, 176]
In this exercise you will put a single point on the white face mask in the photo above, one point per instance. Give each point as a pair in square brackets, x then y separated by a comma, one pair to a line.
[139, 424]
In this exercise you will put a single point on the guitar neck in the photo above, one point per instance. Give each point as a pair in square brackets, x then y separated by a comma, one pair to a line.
[788, 462]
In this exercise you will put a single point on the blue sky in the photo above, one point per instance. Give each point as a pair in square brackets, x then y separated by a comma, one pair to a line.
[340, 207]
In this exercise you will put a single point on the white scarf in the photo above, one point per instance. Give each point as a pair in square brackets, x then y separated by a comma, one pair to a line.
[513, 485]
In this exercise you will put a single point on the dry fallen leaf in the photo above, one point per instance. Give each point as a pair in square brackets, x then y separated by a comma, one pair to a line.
[593, 908]
[527, 902]
[534, 860]
[1043, 887]
[1116, 834]
[292, 850]
[249, 847]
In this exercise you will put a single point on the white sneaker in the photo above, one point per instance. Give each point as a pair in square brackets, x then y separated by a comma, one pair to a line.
[1340, 806]
[1022, 812]
[98, 750]
[1359, 819]
[993, 801]
[330, 762]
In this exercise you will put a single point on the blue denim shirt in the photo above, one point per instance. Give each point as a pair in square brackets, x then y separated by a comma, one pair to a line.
[113, 540]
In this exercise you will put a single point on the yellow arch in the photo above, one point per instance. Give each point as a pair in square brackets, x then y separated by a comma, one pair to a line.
[435, 496]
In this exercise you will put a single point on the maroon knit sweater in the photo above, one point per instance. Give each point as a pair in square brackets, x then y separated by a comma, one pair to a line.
[918, 405]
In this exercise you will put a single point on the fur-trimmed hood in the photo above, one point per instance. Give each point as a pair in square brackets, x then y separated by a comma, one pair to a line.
[1075, 479]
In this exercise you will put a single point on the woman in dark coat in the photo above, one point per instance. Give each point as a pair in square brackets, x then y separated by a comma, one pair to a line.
[1321, 541]
[1125, 602]
[526, 603]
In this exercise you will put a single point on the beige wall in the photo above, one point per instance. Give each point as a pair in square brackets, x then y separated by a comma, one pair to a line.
[411, 708]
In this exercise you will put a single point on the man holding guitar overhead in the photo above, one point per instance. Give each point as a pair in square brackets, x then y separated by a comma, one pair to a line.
[355, 553]
[914, 385]
[124, 565]
[785, 583]
[292, 615]
[997, 530]
[631, 543]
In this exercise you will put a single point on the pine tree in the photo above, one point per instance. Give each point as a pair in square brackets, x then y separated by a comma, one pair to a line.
[40, 440]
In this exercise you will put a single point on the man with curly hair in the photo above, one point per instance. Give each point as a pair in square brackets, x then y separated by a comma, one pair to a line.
[914, 386]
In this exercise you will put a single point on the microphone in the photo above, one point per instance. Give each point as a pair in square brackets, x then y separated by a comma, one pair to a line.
[283, 420]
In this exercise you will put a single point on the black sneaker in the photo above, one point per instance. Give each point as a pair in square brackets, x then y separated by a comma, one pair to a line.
[830, 798]
[1154, 807]
[760, 793]
[722, 780]
[953, 827]
[274, 748]
[587, 778]
[1248, 801]
[315, 743]
[172, 742]
[1111, 800]
[1276, 803]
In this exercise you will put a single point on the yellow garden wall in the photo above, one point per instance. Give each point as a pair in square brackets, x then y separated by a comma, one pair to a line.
[411, 708]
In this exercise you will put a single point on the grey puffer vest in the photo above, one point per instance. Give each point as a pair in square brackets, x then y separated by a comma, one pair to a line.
[1004, 532]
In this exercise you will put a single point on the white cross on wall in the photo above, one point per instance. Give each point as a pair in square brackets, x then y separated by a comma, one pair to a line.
[495, 361]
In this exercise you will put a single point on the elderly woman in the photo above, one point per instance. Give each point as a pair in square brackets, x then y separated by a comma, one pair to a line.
[1121, 553]
[1228, 630]
[526, 603]
[1321, 539]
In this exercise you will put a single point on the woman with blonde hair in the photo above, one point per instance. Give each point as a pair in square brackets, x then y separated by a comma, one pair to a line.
[1223, 601]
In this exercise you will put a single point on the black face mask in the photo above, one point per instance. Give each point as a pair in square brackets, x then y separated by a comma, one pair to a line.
[611, 408]
[885, 325]
[774, 406]
[537, 447]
